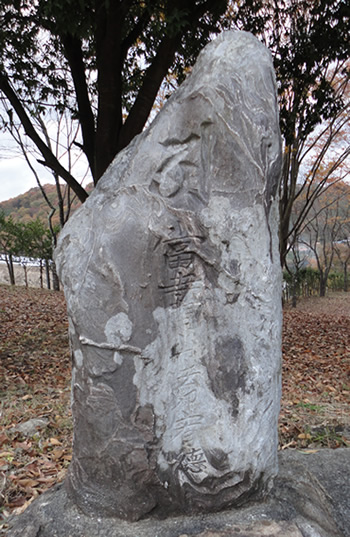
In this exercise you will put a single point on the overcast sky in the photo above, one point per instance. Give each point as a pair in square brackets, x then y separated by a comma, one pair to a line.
[16, 177]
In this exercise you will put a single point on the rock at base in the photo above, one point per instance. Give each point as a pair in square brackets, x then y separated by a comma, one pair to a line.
[310, 498]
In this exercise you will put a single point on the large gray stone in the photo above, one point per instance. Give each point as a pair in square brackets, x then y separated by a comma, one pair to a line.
[172, 278]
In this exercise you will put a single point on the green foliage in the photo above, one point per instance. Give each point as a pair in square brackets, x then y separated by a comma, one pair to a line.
[36, 240]
[328, 436]
[10, 236]
[310, 406]
[336, 281]
[31, 239]
[303, 282]
[306, 282]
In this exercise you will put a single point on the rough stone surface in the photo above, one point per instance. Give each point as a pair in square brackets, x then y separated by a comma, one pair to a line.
[172, 278]
[310, 498]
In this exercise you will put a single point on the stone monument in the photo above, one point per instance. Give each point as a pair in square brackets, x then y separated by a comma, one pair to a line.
[172, 278]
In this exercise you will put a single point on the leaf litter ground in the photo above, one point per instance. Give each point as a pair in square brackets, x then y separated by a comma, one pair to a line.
[35, 383]
[315, 410]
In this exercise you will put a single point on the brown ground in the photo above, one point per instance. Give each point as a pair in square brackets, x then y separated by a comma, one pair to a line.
[336, 304]
[35, 377]
[316, 373]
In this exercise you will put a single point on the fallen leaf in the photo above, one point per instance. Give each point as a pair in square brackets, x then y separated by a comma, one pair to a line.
[27, 482]
[304, 436]
[57, 454]
[55, 442]
[51, 479]
[4, 454]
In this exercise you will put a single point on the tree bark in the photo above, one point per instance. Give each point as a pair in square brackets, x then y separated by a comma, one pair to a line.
[323, 285]
[109, 66]
[143, 105]
[345, 277]
[47, 268]
[74, 55]
[294, 291]
[41, 274]
[9, 263]
[288, 188]
[55, 279]
[25, 276]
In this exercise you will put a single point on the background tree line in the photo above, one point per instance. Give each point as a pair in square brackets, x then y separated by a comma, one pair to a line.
[25, 243]
[32, 205]
[320, 254]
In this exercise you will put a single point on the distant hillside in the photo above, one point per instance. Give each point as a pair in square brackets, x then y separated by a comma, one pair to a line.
[32, 204]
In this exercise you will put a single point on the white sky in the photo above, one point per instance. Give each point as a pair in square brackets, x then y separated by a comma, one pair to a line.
[15, 175]
[16, 178]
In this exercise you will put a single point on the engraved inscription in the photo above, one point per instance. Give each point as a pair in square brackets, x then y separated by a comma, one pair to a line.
[180, 268]
[191, 464]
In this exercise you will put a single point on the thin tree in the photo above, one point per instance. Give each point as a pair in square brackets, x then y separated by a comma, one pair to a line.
[294, 265]
[343, 253]
[61, 134]
[309, 43]
[321, 232]
[342, 245]
[9, 243]
[37, 245]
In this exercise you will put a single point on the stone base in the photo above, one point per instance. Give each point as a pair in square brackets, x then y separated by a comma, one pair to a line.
[310, 498]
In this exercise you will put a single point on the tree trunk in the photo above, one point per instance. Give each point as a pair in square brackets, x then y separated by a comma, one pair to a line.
[41, 274]
[55, 280]
[346, 277]
[47, 267]
[287, 195]
[323, 285]
[9, 263]
[25, 276]
[294, 291]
